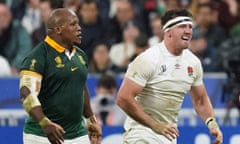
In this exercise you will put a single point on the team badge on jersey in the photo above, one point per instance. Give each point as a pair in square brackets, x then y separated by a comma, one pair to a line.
[190, 71]
[81, 60]
[58, 60]
[33, 62]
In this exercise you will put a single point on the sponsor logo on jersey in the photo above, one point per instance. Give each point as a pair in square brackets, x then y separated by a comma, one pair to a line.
[74, 68]
[177, 66]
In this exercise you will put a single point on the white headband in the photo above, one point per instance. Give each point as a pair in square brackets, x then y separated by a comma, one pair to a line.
[177, 21]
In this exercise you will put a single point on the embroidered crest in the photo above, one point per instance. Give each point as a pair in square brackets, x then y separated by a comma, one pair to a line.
[190, 71]
[81, 60]
[58, 60]
[33, 62]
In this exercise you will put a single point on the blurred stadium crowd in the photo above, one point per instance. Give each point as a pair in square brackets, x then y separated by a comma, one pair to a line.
[116, 31]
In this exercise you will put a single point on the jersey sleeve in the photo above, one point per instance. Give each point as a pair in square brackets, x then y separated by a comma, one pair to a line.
[140, 70]
[34, 62]
[199, 75]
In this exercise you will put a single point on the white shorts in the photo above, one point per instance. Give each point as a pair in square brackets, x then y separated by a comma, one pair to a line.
[33, 139]
[145, 135]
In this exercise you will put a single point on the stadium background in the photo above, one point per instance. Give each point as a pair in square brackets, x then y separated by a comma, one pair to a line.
[192, 129]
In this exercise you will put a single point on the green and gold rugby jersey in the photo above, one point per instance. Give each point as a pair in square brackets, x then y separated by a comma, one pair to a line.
[61, 93]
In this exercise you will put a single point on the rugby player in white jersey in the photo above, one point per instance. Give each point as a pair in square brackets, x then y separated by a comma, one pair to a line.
[155, 83]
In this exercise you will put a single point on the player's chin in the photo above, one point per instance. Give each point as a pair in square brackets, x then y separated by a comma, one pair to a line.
[77, 41]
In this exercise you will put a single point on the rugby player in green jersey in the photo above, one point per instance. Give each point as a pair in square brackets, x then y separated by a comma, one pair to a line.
[53, 87]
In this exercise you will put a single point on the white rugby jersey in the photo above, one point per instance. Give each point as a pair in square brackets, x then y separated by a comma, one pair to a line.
[166, 78]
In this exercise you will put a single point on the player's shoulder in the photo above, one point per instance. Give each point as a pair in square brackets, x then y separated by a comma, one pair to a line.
[39, 49]
[190, 57]
[81, 52]
[152, 53]
[148, 58]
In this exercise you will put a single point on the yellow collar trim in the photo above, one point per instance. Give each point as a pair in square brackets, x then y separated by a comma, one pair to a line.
[54, 44]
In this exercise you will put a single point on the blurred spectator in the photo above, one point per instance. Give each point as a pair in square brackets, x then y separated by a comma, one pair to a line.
[235, 30]
[72, 4]
[205, 21]
[228, 51]
[141, 44]
[121, 53]
[31, 19]
[229, 13]
[171, 4]
[5, 67]
[193, 6]
[15, 42]
[124, 13]
[93, 29]
[156, 28]
[199, 47]
[16, 7]
[101, 64]
[104, 10]
[39, 34]
[103, 104]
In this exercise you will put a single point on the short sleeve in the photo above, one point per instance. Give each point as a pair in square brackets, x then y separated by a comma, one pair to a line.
[140, 70]
[199, 75]
[34, 62]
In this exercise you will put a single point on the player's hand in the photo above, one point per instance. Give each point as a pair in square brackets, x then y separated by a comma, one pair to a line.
[170, 131]
[54, 133]
[218, 135]
[94, 133]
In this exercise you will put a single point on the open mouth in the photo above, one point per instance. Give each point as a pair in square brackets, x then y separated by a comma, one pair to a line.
[186, 38]
[79, 35]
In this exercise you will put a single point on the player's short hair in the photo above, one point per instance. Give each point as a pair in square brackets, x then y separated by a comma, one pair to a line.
[175, 13]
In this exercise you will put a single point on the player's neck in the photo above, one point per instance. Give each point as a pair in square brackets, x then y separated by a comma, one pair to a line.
[171, 47]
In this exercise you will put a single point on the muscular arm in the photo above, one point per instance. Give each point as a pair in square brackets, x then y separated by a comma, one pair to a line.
[35, 112]
[30, 84]
[87, 108]
[126, 100]
[201, 102]
[205, 111]
[94, 129]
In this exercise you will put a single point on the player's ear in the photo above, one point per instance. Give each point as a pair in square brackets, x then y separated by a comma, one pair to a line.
[58, 30]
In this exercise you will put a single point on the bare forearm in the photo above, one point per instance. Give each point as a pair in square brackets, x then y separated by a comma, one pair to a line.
[37, 113]
[135, 111]
[204, 108]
